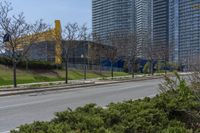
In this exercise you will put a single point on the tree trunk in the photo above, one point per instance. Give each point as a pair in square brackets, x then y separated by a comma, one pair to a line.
[85, 67]
[26, 65]
[14, 68]
[112, 73]
[133, 71]
[14, 74]
[66, 69]
[85, 73]
[165, 67]
[133, 74]
[151, 67]
[100, 69]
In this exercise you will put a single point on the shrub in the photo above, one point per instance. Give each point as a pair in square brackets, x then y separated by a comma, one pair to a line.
[31, 64]
[173, 111]
[146, 68]
[44, 127]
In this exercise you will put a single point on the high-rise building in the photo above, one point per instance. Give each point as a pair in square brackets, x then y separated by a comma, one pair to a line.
[184, 30]
[143, 9]
[124, 16]
[160, 36]
[109, 16]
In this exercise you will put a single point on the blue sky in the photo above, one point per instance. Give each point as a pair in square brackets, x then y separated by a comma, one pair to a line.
[49, 10]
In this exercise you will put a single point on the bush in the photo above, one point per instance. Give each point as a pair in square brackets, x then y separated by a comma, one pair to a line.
[5, 61]
[172, 111]
[31, 64]
[146, 68]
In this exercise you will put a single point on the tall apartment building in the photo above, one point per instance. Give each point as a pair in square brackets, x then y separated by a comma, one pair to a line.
[184, 30]
[143, 11]
[160, 36]
[124, 16]
[112, 16]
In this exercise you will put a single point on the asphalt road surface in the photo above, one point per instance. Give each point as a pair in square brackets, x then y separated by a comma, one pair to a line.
[17, 110]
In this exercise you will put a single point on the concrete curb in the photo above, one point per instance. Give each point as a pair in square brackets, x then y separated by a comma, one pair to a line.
[42, 87]
[50, 89]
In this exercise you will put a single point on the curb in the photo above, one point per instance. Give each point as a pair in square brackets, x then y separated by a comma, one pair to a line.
[48, 89]
[42, 90]
[42, 87]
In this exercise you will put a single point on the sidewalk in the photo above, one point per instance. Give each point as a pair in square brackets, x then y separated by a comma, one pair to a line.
[60, 85]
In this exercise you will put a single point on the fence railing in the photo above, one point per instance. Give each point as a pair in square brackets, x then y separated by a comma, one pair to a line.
[94, 67]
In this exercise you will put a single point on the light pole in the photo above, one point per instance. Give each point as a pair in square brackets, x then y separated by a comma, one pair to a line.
[84, 59]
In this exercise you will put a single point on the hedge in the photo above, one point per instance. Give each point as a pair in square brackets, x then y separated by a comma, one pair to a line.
[31, 64]
[174, 111]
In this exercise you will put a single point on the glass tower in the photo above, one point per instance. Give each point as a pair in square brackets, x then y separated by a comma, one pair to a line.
[143, 25]
[124, 16]
[112, 16]
[160, 28]
[184, 31]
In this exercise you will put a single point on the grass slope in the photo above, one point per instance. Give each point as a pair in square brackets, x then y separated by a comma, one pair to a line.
[24, 76]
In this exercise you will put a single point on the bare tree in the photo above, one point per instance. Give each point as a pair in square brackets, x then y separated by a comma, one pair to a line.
[17, 35]
[85, 36]
[72, 34]
[83, 33]
[112, 53]
[149, 53]
[163, 55]
[132, 52]
[98, 51]
[126, 49]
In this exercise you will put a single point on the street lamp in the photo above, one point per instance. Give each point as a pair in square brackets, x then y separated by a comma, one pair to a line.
[84, 58]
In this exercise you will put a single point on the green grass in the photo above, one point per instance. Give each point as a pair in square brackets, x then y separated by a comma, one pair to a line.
[24, 76]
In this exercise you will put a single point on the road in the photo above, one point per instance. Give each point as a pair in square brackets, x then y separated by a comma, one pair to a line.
[17, 110]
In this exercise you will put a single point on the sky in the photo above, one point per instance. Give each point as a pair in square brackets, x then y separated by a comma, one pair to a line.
[49, 10]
